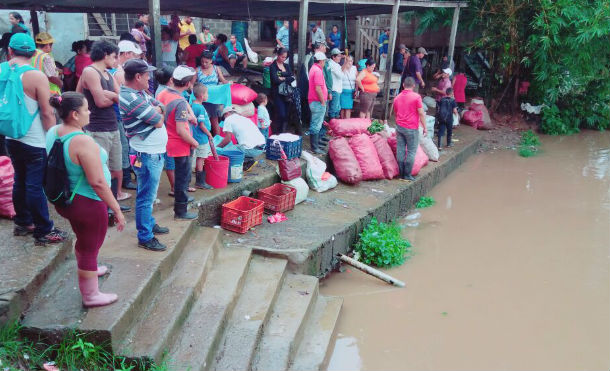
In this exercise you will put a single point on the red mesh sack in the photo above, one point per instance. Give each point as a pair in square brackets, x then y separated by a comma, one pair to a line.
[7, 174]
[344, 160]
[349, 127]
[473, 118]
[421, 160]
[392, 141]
[241, 94]
[386, 157]
[367, 157]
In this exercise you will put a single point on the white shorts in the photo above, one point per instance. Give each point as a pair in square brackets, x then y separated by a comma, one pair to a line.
[203, 151]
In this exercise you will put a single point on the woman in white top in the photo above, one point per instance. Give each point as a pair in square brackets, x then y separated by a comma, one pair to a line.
[349, 83]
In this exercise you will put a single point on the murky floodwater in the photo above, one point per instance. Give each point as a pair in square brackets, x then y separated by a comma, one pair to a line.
[511, 271]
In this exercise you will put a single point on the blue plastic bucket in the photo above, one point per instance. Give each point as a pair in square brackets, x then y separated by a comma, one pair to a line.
[236, 165]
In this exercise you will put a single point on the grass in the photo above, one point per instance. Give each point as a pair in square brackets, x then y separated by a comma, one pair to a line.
[529, 144]
[73, 353]
[425, 202]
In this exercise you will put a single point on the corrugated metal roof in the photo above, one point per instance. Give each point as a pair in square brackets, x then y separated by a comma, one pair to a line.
[230, 9]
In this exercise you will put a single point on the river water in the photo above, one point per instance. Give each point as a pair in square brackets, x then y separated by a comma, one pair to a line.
[511, 271]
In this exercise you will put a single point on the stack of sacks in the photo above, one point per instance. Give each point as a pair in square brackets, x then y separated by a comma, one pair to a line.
[242, 98]
[359, 157]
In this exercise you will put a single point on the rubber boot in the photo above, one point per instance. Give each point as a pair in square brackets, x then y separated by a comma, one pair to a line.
[180, 211]
[89, 289]
[315, 144]
[200, 180]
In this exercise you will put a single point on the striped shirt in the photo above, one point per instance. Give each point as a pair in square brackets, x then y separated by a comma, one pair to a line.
[138, 112]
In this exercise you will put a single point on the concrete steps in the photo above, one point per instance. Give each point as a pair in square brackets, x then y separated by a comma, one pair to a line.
[200, 305]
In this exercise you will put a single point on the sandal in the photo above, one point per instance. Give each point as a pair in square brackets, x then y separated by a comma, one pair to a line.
[123, 196]
[192, 189]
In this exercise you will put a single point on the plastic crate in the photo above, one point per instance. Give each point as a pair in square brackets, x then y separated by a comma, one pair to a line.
[292, 149]
[278, 198]
[242, 214]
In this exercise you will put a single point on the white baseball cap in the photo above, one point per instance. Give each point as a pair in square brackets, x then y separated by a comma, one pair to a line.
[447, 71]
[319, 56]
[126, 46]
[228, 109]
[182, 72]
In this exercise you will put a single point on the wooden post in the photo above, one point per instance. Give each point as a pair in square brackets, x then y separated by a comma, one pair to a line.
[154, 15]
[372, 271]
[454, 26]
[358, 47]
[303, 12]
[35, 24]
[291, 44]
[390, 59]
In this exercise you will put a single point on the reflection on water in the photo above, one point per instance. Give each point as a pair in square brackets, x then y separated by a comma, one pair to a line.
[511, 271]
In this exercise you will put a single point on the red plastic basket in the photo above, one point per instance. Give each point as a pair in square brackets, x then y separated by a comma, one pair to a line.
[242, 214]
[278, 198]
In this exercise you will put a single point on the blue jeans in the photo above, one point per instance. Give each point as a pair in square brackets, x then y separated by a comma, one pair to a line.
[182, 180]
[317, 117]
[28, 196]
[408, 138]
[124, 146]
[251, 152]
[265, 133]
[334, 105]
[148, 176]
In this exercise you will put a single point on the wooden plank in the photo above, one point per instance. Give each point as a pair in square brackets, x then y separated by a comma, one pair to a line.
[303, 12]
[454, 27]
[390, 59]
[102, 23]
[154, 13]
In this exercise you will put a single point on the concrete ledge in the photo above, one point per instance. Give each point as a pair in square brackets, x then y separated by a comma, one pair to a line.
[329, 223]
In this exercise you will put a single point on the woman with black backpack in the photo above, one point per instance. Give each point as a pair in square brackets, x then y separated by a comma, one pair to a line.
[89, 186]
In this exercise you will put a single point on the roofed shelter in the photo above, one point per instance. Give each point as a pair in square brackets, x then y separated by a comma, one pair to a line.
[254, 9]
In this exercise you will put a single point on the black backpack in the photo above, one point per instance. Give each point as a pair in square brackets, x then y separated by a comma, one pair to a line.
[445, 110]
[56, 182]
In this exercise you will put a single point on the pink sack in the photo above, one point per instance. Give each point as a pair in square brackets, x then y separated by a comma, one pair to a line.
[344, 160]
[7, 175]
[393, 143]
[485, 123]
[367, 157]
[473, 118]
[349, 127]
[421, 160]
[241, 94]
[386, 157]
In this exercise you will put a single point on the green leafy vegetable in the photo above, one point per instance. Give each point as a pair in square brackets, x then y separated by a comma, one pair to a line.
[382, 245]
[425, 202]
[376, 127]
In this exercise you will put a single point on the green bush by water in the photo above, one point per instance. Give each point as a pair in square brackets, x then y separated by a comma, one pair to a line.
[425, 202]
[382, 245]
[73, 353]
[529, 144]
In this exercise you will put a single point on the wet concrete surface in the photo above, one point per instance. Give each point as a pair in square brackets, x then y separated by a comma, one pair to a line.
[510, 271]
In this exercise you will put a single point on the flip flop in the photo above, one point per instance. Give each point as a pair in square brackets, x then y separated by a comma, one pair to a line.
[192, 189]
[123, 196]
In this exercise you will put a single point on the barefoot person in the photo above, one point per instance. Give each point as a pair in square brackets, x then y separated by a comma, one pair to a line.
[90, 182]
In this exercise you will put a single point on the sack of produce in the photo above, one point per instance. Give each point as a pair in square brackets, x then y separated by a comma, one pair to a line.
[367, 157]
[344, 160]
[349, 127]
[386, 157]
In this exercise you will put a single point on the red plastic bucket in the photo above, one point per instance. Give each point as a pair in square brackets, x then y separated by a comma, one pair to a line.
[217, 171]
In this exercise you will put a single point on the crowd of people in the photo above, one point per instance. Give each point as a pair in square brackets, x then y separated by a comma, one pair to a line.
[118, 116]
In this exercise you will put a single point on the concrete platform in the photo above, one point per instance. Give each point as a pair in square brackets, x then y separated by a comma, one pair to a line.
[329, 223]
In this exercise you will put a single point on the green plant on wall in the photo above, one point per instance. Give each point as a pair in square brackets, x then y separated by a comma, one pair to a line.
[382, 245]
[529, 144]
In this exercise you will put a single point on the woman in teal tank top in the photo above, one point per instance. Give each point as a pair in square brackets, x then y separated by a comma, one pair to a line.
[86, 164]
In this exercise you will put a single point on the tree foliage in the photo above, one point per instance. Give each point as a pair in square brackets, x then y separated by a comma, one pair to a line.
[561, 46]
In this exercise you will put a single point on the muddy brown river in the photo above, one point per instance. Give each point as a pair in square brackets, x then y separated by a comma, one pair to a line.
[511, 271]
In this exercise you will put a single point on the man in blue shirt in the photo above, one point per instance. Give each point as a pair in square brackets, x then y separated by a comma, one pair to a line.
[236, 49]
[282, 37]
[384, 40]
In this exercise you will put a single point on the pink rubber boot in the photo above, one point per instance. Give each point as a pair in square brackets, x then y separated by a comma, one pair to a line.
[92, 297]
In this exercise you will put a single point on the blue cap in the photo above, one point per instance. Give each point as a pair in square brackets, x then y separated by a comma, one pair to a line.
[164, 22]
[22, 42]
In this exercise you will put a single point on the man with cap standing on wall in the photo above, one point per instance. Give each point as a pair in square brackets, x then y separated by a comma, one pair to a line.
[143, 120]
[400, 60]
[28, 153]
[43, 61]
[317, 35]
[180, 140]
[317, 97]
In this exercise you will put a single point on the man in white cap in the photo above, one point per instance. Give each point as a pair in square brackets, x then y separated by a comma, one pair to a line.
[317, 97]
[334, 105]
[249, 138]
[180, 141]
[443, 84]
[127, 50]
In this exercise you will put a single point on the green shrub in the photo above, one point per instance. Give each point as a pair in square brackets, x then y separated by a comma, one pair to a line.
[376, 127]
[529, 138]
[382, 245]
[425, 202]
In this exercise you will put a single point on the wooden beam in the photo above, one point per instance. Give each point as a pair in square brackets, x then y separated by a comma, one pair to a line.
[454, 27]
[35, 24]
[102, 23]
[154, 20]
[390, 58]
[303, 12]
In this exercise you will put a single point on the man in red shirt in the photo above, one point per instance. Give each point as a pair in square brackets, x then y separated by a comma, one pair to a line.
[180, 142]
[409, 112]
[317, 97]
[193, 52]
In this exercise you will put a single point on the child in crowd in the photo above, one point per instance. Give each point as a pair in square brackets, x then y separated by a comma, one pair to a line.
[446, 107]
[201, 133]
[263, 115]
